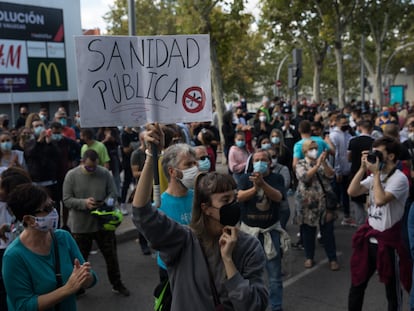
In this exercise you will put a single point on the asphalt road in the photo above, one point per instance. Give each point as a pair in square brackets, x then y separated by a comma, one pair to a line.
[304, 289]
[316, 289]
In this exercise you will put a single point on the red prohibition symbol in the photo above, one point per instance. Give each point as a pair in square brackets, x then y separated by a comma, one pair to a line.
[194, 99]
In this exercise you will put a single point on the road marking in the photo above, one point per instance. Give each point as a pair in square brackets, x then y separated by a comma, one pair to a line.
[301, 275]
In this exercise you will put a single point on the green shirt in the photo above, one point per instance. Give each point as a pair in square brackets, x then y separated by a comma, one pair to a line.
[100, 150]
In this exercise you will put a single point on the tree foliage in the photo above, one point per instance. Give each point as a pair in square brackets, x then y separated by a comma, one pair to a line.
[238, 48]
[329, 33]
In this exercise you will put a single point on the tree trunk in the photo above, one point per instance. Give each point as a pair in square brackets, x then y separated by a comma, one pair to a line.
[379, 99]
[340, 74]
[216, 78]
[317, 82]
[217, 85]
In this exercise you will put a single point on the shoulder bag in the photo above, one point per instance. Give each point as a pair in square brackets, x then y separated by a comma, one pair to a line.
[331, 199]
[59, 281]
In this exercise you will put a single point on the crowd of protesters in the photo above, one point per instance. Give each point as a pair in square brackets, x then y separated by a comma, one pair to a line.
[302, 149]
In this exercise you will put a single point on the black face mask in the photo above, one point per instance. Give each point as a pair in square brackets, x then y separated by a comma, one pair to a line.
[5, 123]
[344, 128]
[230, 214]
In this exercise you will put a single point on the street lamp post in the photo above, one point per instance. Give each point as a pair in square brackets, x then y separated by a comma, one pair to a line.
[131, 18]
[10, 84]
[278, 73]
[399, 48]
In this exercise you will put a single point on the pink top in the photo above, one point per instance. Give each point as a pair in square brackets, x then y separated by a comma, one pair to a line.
[237, 159]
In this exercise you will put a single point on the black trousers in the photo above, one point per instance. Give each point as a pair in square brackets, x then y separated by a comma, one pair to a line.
[106, 241]
[392, 289]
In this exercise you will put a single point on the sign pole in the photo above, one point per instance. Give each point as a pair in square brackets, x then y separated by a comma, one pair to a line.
[10, 82]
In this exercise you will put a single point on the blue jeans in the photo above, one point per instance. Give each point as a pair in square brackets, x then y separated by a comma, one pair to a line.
[328, 239]
[284, 213]
[274, 273]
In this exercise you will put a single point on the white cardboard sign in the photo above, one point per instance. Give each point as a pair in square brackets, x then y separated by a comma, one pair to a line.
[131, 81]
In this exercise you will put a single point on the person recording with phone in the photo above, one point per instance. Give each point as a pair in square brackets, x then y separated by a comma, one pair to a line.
[211, 264]
[378, 244]
[86, 188]
[314, 176]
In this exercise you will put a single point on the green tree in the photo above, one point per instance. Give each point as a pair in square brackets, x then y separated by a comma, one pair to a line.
[152, 17]
[296, 24]
[388, 29]
[336, 16]
[235, 50]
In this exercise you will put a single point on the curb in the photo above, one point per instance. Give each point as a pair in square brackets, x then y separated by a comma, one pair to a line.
[126, 234]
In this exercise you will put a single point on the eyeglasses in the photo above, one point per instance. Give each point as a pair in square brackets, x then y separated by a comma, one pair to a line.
[204, 157]
[50, 205]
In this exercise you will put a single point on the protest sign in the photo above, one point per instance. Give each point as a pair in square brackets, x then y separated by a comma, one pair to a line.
[130, 81]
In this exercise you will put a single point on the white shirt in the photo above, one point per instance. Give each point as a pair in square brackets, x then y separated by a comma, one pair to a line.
[384, 217]
[5, 218]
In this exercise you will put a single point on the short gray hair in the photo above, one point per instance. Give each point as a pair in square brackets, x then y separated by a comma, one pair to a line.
[172, 155]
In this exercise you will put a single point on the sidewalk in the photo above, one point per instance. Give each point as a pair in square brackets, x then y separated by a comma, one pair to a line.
[127, 230]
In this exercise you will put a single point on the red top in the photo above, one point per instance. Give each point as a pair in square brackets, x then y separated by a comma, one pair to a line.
[69, 132]
[212, 157]
[390, 238]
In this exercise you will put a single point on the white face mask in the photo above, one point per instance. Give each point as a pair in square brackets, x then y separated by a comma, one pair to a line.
[312, 153]
[48, 222]
[411, 135]
[262, 118]
[189, 176]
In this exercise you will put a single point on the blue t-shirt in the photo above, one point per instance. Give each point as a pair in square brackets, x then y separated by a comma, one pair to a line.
[27, 275]
[322, 146]
[178, 209]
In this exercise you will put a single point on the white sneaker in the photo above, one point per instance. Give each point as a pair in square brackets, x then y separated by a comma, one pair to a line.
[123, 209]
[348, 221]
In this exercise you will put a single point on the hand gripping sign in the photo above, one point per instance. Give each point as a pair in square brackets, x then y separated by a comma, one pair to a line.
[131, 81]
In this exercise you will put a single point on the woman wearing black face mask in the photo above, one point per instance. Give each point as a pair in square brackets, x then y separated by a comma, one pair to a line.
[211, 257]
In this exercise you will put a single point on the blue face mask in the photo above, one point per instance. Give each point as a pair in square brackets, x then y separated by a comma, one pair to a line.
[38, 130]
[56, 137]
[275, 140]
[240, 143]
[266, 146]
[260, 167]
[204, 165]
[63, 121]
[7, 145]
